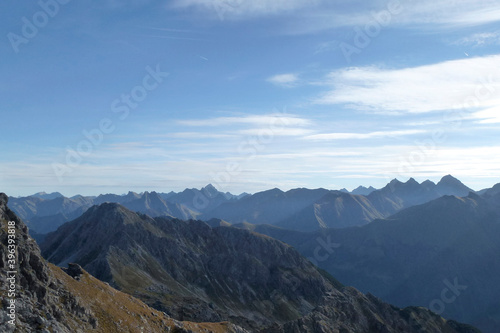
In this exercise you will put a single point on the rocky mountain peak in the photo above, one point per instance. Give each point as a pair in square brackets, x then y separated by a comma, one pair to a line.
[451, 185]
[393, 185]
[362, 190]
[428, 184]
[210, 188]
[449, 179]
[39, 298]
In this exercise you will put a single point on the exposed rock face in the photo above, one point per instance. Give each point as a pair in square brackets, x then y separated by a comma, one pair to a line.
[41, 300]
[353, 312]
[195, 272]
[49, 300]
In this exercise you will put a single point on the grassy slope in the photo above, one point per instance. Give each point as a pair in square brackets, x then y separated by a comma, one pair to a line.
[120, 312]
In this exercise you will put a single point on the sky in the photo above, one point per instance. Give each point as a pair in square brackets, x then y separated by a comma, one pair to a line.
[149, 95]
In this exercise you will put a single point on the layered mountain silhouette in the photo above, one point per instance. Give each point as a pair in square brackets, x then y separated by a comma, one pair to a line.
[309, 210]
[48, 299]
[298, 209]
[201, 200]
[196, 272]
[442, 254]
[44, 213]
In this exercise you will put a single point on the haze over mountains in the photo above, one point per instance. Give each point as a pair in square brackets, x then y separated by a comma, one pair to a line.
[46, 212]
[297, 209]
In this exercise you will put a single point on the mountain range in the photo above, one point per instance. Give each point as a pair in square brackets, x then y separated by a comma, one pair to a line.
[44, 212]
[195, 272]
[442, 254]
[298, 209]
[309, 210]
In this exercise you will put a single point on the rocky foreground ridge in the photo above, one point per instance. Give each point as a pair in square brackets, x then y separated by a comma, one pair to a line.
[49, 300]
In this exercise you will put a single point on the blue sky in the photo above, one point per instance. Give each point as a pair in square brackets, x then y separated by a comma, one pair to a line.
[112, 96]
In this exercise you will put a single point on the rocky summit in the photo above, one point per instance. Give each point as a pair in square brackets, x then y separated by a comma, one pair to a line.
[195, 272]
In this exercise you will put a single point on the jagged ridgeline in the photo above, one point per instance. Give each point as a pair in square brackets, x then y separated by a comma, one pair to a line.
[46, 299]
[195, 272]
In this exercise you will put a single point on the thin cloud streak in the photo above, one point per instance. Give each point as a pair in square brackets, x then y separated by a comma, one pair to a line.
[480, 39]
[320, 15]
[362, 136]
[264, 120]
[243, 10]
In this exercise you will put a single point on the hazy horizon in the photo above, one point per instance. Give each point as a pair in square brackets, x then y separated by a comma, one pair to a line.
[159, 190]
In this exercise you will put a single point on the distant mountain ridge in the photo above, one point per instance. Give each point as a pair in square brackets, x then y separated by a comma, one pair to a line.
[44, 213]
[309, 210]
[361, 190]
[47, 196]
[299, 209]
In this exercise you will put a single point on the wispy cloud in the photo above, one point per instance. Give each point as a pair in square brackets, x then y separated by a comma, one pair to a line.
[436, 87]
[277, 119]
[480, 39]
[196, 135]
[422, 16]
[360, 136]
[241, 9]
[282, 131]
[475, 16]
[284, 80]
[487, 116]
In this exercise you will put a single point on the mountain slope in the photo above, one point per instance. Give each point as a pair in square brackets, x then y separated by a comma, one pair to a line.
[418, 255]
[50, 300]
[334, 210]
[45, 215]
[208, 274]
[152, 204]
[196, 272]
[270, 207]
